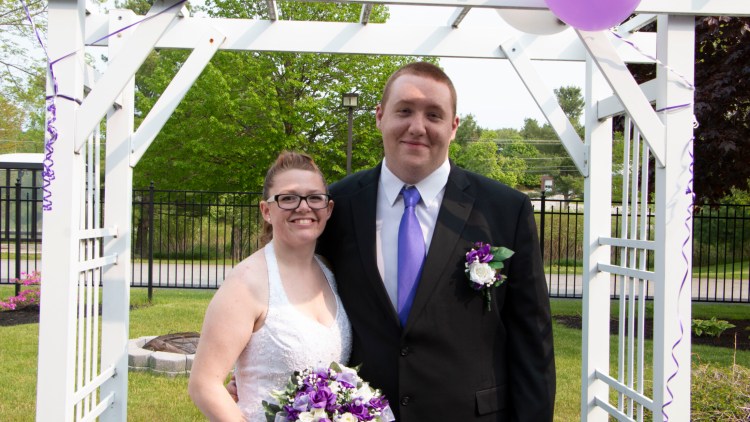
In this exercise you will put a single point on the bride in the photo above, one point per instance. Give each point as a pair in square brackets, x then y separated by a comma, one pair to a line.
[278, 310]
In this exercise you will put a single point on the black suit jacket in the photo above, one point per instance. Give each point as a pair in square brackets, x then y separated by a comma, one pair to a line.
[454, 360]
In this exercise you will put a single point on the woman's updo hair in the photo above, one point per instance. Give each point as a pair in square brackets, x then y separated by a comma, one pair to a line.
[287, 160]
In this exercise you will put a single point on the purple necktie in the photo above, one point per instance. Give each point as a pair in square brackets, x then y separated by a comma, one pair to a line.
[411, 253]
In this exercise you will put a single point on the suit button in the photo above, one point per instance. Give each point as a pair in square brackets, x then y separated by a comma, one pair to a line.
[404, 351]
[405, 400]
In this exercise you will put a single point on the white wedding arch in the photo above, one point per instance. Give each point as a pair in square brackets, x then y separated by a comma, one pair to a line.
[82, 374]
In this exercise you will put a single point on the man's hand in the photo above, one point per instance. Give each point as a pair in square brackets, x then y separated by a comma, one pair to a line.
[232, 388]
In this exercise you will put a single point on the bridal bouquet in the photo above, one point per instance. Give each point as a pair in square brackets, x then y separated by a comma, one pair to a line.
[333, 394]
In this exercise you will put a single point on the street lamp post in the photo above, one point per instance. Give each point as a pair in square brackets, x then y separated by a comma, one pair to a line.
[349, 100]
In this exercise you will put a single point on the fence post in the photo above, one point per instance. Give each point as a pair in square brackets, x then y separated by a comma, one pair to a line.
[541, 223]
[150, 241]
[18, 231]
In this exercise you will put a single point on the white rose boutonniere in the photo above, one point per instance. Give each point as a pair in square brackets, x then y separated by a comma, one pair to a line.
[483, 265]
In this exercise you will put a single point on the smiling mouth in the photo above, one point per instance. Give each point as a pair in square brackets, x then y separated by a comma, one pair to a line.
[303, 221]
[413, 144]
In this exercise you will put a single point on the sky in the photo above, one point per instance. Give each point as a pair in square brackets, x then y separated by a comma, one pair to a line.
[490, 89]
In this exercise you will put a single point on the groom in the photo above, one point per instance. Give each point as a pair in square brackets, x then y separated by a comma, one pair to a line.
[435, 348]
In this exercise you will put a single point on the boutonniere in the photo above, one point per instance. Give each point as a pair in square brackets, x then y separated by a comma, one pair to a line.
[483, 265]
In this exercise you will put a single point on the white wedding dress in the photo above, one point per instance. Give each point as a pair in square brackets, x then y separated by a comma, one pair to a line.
[287, 341]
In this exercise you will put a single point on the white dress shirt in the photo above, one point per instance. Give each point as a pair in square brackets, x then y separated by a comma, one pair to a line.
[390, 208]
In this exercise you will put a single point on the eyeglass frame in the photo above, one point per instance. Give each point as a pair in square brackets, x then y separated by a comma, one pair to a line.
[275, 198]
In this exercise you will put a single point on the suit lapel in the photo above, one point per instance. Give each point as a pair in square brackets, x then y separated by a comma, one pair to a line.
[454, 211]
[363, 208]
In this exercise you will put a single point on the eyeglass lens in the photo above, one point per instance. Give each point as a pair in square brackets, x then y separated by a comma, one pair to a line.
[291, 201]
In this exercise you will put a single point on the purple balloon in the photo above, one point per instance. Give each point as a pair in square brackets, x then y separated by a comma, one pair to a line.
[592, 15]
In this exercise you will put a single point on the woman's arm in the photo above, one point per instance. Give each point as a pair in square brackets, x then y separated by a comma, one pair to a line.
[229, 322]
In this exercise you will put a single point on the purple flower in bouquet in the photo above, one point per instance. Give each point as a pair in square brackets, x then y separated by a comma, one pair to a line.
[333, 394]
[322, 397]
[358, 409]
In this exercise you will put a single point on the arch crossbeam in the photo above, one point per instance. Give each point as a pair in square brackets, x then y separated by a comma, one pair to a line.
[378, 39]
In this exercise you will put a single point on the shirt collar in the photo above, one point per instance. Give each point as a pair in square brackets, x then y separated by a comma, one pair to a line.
[428, 188]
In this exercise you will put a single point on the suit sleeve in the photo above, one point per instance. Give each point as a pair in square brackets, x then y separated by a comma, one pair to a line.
[526, 313]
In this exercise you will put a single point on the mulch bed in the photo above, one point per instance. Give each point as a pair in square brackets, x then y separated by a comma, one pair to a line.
[27, 315]
[726, 339]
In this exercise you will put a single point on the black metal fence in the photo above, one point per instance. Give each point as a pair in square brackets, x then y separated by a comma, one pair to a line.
[192, 239]
[20, 224]
[720, 258]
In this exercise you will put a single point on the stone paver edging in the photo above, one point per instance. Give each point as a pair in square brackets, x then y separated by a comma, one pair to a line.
[162, 363]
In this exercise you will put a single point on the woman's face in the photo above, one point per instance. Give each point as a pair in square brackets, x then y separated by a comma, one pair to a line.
[303, 224]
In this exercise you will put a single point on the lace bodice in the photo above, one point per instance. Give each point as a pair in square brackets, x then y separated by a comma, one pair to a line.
[287, 341]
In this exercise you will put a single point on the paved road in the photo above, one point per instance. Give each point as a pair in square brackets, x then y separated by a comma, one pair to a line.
[202, 275]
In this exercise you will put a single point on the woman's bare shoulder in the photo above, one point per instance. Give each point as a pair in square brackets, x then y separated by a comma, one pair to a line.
[249, 276]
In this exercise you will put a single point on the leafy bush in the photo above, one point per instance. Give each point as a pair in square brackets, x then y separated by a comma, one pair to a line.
[724, 393]
[711, 327]
[27, 296]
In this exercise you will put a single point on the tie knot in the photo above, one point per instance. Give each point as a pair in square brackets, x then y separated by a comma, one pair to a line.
[411, 196]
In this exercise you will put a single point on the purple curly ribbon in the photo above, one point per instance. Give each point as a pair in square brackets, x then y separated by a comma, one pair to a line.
[688, 191]
[48, 173]
[657, 61]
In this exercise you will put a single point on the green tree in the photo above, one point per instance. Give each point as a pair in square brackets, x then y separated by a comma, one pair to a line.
[532, 131]
[524, 155]
[571, 101]
[569, 186]
[468, 130]
[246, 107]
[482, 157]
[509, 133]
[17, 62]
[21, 78]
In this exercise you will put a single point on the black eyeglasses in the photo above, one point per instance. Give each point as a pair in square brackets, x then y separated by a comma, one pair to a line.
[290, 201]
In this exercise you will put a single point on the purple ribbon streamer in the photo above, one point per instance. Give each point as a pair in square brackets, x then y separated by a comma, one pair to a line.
[657, 61]
[688, 191]
[48, 173]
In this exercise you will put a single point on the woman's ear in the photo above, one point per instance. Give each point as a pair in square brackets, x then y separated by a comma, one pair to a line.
[265, 211]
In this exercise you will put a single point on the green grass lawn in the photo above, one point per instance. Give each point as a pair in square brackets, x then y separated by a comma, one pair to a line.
[165, 399]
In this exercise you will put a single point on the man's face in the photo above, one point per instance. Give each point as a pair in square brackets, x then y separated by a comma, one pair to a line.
[418, 125]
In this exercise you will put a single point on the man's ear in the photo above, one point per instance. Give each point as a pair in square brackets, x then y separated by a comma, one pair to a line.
[378, 115]
[330, 207]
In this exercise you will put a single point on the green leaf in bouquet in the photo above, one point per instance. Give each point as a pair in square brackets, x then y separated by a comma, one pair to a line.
[271, 410]
[501, 253]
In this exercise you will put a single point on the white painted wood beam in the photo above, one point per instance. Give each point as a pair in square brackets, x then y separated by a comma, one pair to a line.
[123, 68]
[597, 223]
[56, 370]
[673, 236]
[379, 39]
[626, 89]
[612, 106]
[547, 101]
[635, 23]
[671, 7]
[173, 94]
